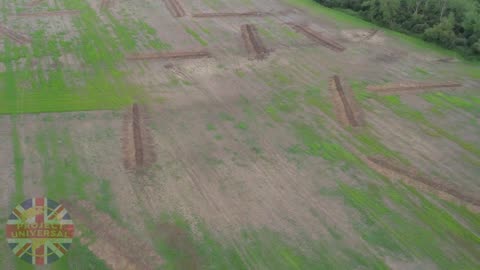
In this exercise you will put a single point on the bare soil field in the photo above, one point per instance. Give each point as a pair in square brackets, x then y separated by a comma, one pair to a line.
[116, 245]
[172, 149]
[106, 4]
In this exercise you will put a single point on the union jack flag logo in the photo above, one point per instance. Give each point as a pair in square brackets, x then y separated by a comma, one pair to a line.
[39, 231]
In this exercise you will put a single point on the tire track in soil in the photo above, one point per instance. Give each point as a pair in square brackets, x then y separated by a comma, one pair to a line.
[370, 34]
[391, 169]
[253, 42]
[169, 55]
[410, 87]
[117, 246]
[18, 38]
[175, 8]
[231, 14]
[353, 119]
[317, 37]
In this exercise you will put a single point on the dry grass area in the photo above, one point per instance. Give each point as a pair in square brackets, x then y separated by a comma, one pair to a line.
[172, 148]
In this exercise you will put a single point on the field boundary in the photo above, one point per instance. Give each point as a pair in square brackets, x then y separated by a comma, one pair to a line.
[169, 55]
[47, 13]
[410, 87]
[231, 14]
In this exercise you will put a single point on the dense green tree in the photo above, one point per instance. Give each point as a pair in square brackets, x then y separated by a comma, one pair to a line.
[454, 24]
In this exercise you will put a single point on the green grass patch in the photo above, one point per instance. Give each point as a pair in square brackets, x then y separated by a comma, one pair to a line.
[211, 127]
[99, 85]
[62, 175]
[104, 200]
[369, 145]
[18, 161]
[410, 226]
[256, 249]
[315, 96]
[283, 102]
[444, 101]
[241, 125]
[314, 144]
[402, 110]
[196, 36]
[421, 71]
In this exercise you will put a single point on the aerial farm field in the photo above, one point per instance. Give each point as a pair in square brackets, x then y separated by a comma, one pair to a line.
[238, 134]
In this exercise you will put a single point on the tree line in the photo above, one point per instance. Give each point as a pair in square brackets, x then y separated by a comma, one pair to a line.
[454, 24]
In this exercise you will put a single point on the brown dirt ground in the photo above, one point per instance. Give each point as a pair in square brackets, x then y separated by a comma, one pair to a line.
[230, 177]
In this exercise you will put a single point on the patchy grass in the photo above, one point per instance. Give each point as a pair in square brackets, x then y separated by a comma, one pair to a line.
[369, 145]
[241, 125]
[226, 117]
[211, 127]
[395, 104]
[196, 36]
[62, 175]
[104, 200]
[404, 223]
[421, 71]
[285, 101]
[444, 101]
[80, 257]
[99, 85]
[240, 73]
[260, 249]
[18, 161]
[316, 97]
